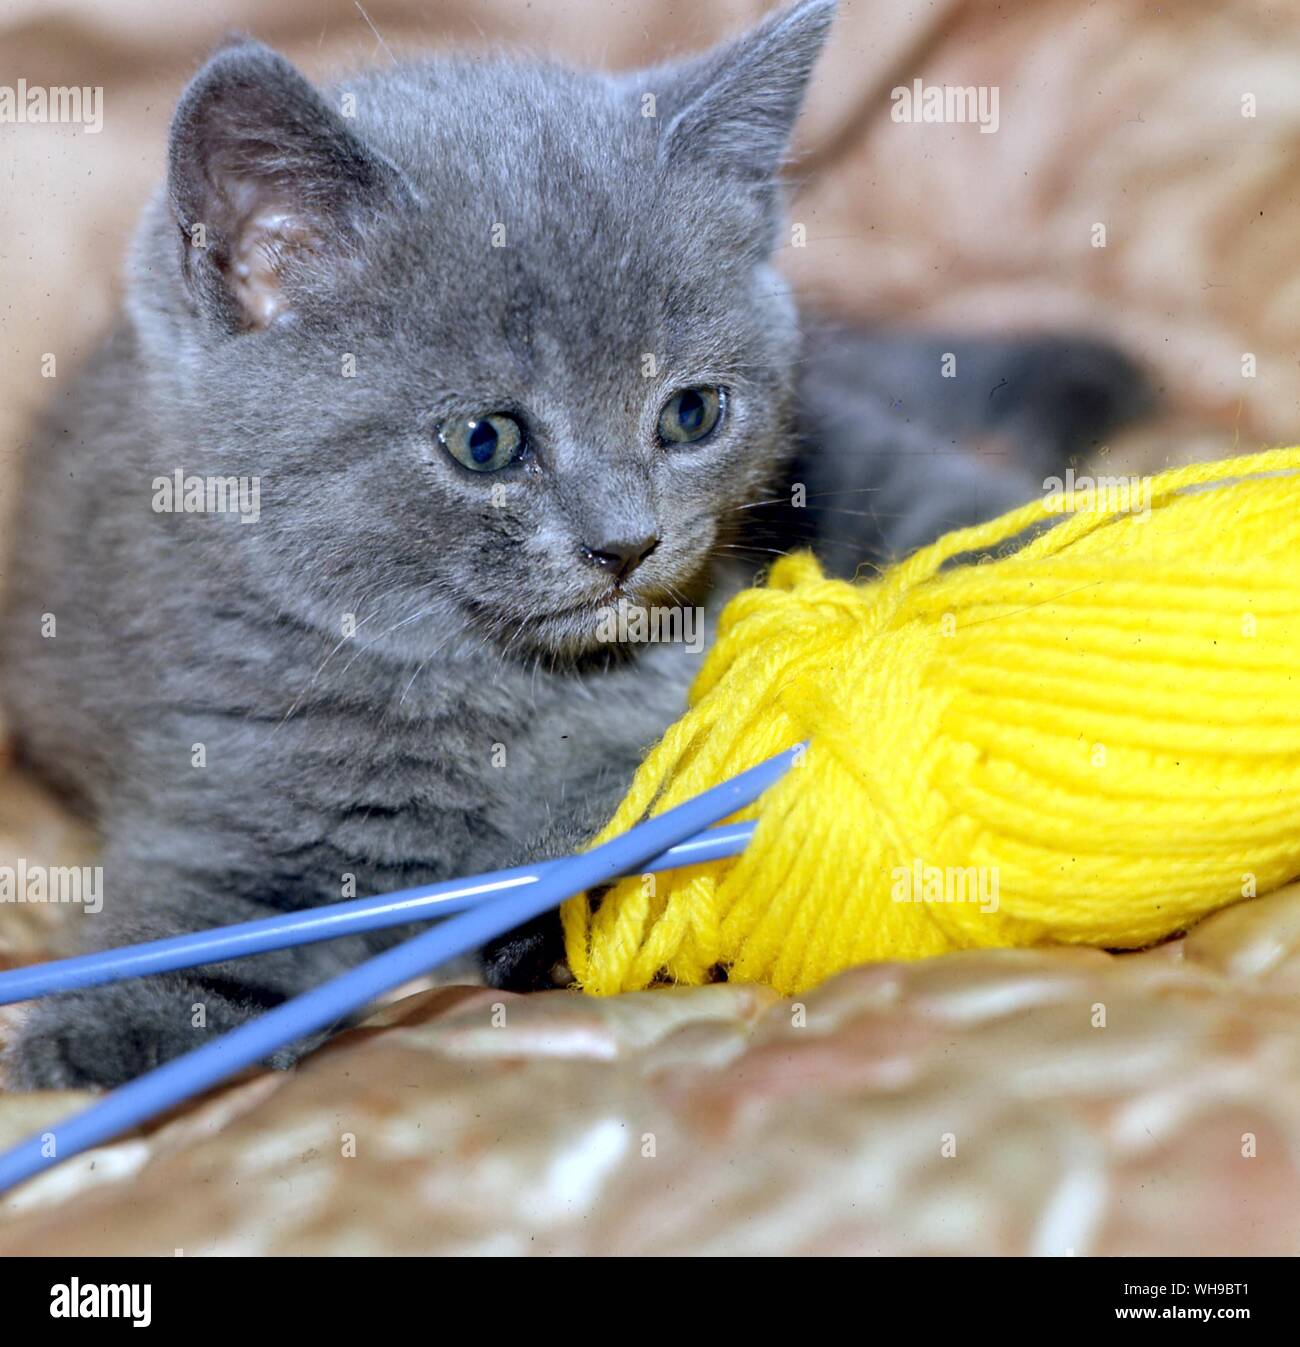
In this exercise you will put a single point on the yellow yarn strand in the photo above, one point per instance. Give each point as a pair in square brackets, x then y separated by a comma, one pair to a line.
[1094, 738]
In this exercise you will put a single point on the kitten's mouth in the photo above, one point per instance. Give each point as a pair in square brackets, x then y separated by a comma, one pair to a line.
[593, 607]
[612, 617]
[573, 629]
[609, 602]
[595, 623]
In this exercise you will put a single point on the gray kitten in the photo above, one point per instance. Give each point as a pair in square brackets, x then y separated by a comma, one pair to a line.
[492, 348]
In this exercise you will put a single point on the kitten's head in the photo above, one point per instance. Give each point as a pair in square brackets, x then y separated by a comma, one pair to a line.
[501, 341]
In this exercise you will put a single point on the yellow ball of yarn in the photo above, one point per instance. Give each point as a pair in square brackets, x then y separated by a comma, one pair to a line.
[1094, 738]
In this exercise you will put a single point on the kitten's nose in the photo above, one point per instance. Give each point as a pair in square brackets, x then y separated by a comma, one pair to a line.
[619, 557]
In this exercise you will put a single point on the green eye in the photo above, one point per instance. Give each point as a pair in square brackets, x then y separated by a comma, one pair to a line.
[691, 415]
[485, 445]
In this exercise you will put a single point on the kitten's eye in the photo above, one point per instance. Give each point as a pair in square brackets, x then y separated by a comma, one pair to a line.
[690, 415]
[486, 445]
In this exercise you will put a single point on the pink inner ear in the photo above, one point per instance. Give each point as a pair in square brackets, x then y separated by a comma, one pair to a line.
[263, 240]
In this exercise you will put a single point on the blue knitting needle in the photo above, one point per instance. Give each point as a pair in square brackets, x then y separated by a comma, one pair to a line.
[322, 923]
[324, 1006]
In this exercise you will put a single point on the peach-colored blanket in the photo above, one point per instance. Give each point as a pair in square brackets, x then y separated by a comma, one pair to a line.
[1049, 1102]
[1052, 1101]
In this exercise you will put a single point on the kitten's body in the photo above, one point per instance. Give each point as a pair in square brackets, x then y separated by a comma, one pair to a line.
[202, 693]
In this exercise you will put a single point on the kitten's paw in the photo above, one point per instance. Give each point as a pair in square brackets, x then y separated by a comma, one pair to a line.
[105, 1036]
[529, 959]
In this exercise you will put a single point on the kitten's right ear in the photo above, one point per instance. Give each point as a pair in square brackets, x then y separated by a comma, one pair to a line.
[270, 189]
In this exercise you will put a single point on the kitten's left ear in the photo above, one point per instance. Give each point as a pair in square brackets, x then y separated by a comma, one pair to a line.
[738, 103]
